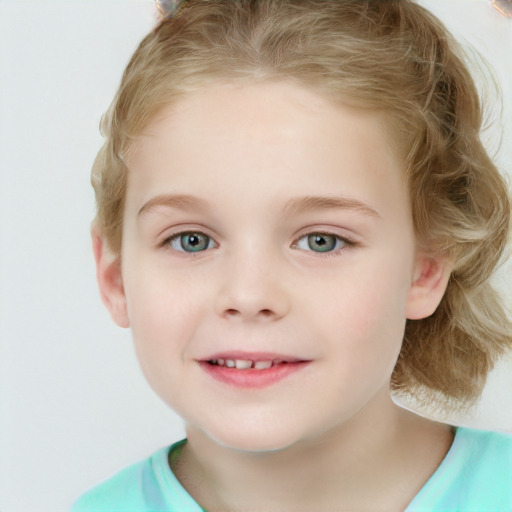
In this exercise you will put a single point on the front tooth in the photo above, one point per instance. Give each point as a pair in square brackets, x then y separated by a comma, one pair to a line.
[262, 365]
[230, 363]
[242, 364]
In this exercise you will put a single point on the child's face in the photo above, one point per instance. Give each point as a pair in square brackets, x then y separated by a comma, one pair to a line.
[265, 223]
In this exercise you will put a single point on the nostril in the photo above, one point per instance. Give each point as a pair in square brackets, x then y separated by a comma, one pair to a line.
[265, 314]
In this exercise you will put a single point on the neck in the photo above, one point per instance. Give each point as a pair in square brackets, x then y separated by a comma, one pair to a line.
[377, 461]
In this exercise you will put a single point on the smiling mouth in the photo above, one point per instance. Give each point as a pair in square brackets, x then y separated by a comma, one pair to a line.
[258, 371]
[246, 364]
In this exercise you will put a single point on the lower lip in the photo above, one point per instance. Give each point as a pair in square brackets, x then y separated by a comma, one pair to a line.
[252, 378]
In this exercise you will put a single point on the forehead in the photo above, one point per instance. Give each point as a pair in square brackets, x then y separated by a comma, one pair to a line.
[287, 136]
[251, 105]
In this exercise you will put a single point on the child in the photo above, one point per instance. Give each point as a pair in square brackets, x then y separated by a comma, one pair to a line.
[296, 216]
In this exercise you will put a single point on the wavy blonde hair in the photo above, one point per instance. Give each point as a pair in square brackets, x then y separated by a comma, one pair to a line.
[389, 55]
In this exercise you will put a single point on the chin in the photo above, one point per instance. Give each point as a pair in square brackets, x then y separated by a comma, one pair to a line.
[261, 441]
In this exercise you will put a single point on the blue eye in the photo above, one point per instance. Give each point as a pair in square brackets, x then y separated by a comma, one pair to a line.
[191, 242]
[320, 242]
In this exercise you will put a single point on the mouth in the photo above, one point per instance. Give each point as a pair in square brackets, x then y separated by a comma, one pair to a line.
[251, 370]
[246, 364]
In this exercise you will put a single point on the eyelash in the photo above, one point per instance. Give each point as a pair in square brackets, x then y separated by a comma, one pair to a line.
[211, 244]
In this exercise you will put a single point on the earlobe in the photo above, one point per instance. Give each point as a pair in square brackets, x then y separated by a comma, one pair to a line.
[110, 281]
[430, 279]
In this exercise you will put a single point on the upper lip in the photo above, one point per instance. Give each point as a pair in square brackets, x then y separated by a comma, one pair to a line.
[252, 356]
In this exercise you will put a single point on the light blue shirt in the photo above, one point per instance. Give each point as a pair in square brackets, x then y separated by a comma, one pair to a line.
[475, 476]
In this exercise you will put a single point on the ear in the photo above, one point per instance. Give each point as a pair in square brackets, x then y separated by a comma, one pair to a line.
[430, 279]
[110, 281]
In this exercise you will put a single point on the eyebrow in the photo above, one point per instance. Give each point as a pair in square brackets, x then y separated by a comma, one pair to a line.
[293, 206]
[181, 201]
[302, 204]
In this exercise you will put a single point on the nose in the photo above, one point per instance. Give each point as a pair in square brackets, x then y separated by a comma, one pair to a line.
[253, 289]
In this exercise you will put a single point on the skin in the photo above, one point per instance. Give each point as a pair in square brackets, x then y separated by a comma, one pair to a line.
[245, 156]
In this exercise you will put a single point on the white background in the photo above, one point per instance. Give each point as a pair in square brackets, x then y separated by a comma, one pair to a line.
[74, 407]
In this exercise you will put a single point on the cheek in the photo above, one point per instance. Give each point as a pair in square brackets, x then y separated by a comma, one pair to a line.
[366, 312]
[164, 319]
[163, 311]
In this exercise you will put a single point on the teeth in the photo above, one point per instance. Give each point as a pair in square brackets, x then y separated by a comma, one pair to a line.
[244, 364]
[262, 365]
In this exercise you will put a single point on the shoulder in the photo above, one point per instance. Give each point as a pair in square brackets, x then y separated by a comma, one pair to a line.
[146, 486]
[117, 493]
[487, 438]
[475, 475]
[487, 457]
